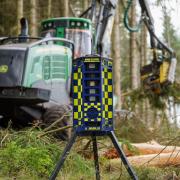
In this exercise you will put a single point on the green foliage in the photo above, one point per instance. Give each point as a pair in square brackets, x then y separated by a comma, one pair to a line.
[24, 153]
[14, 158]
[129, 146]
[154, 173]
[25, 156]
[134, 130]
[143, 173]
[76, 167]
[149, 173]
[159, 101]
[156, 100]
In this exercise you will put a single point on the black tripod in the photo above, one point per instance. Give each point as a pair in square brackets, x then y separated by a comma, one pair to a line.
[95, 150]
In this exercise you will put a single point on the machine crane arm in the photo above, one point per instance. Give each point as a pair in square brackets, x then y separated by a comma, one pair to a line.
[161, 72]
[149, 22]
[104, 26]
[102, 14]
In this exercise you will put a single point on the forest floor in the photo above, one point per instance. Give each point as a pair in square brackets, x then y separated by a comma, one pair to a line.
[28, 155]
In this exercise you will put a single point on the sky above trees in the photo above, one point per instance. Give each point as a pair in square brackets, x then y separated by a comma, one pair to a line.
[173, 8]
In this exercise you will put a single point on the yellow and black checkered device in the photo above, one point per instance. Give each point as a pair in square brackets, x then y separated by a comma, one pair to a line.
[92, 94]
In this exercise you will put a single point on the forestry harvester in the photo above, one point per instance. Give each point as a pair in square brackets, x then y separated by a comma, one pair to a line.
[34, 79]
[35, 73]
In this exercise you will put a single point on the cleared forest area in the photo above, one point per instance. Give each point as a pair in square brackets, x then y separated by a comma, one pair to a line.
[147, 124]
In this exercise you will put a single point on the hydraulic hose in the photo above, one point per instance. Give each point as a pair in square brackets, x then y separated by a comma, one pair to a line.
[126, 20]
[148, 22]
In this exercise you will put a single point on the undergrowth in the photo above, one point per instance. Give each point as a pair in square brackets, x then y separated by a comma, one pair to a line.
[26, 155]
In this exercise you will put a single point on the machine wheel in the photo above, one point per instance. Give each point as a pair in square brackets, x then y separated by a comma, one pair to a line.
[54, 113]
[4, 122]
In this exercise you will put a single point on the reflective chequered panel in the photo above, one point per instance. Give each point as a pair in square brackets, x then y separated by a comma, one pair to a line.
[107, 98]
[77, 91]
[92, 94]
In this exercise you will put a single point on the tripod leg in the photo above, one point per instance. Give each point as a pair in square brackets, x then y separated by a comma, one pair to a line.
[96, 163]
[63, 157]
[123, 156]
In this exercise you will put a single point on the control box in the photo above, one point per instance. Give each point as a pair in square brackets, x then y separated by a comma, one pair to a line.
[92, 91]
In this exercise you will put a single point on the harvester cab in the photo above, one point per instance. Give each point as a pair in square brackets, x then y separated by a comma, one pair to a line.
[77, 30]
[34, 78]
[42, 64]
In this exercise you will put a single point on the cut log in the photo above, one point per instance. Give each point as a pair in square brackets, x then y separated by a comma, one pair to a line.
[142, 149]
[164, 159]
[145, 148]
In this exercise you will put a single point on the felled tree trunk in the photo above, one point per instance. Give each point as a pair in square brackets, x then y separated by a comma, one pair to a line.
[152, 154]
[145, 148]
[164, 159]
[141, 149]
